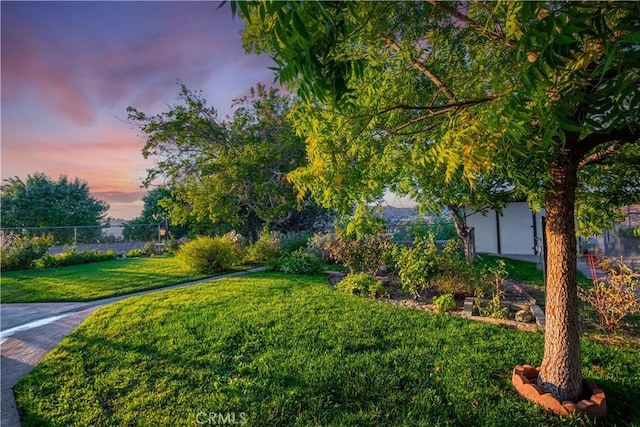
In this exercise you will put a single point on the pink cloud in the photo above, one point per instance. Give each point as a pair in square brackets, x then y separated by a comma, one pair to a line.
[74, 75]
[70, 69]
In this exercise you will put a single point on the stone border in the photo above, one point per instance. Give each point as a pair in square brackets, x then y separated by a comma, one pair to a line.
[535, 309]
[524, 379]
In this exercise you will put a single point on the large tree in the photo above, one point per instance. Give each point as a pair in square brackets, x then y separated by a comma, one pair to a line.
[230, 172]
[538, 94]
[153, 215]
[39, 201]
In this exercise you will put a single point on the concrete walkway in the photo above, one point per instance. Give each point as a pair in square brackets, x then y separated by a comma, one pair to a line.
[30, 331]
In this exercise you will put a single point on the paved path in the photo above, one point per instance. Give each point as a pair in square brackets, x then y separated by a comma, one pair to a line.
[30, 331]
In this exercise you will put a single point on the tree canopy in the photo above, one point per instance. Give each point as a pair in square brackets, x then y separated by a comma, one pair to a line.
[145, 227]
[231, 172]
[40, 201]
[541, 96]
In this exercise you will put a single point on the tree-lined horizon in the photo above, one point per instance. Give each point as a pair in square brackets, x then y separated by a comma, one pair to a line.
[450, 101]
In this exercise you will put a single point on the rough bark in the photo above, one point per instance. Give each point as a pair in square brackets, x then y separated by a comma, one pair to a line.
[465, 233]
[560, 372]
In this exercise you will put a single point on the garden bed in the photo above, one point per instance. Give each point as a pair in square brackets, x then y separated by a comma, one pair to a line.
[537, 315]
[516, 299]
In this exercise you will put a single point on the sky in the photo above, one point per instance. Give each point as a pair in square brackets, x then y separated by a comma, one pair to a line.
[69, 71]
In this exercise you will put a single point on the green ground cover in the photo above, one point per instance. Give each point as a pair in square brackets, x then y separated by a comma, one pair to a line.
[274, 349]
[94, 281]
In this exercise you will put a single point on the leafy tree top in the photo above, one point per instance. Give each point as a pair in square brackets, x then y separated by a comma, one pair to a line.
[40, 201]
[481, 95]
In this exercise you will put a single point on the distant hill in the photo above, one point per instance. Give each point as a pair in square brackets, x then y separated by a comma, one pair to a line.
[394, 214]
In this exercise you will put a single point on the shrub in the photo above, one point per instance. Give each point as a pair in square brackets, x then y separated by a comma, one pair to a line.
[366, 254]
[173, 245]
[299, 262]
[134, 253]
[423, 266]
[20, 252]
[207, 255]
[377, 290]
[324, 244]
[291, 242]
[150, 248]
[615, 297]
[266, 248]
[362, 284]
[237, 242]
[75, 257]
[445, 303]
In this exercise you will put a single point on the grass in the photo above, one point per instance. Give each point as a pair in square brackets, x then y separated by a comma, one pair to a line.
[273, 349]
[525, 271]
[93, 281]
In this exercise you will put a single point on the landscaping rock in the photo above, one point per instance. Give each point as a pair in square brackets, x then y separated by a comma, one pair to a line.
[525, 316]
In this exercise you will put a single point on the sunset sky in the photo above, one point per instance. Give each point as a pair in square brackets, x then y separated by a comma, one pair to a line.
[70, 70]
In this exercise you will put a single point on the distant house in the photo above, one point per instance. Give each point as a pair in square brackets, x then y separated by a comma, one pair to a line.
[518, 231]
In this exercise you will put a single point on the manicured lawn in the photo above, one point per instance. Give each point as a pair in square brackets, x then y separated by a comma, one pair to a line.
[280, 350]
[524, 271]
[92, 281]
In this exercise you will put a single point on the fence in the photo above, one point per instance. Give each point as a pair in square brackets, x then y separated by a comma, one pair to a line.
[120, 237]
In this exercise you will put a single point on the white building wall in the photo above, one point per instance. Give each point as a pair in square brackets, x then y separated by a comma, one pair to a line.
[516, 230]
[485, 232]
[515, 234]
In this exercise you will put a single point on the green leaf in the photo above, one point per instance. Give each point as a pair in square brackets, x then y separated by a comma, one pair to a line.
[299, 26]
[633, 37]
[564, 39]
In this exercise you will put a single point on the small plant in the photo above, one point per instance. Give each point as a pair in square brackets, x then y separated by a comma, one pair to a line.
[377, 290]
[493, 308]
[207, 255]
[362, 284]
[299, 262]
[615, 297]
[445, 303]
[21, 252]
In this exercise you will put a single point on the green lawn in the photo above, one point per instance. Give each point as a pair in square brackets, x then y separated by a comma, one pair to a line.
[92, 281]
[525, 271]
[279, 350]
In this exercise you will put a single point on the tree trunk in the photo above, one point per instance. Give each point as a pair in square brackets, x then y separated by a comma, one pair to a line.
[560, 372]
[465, 233]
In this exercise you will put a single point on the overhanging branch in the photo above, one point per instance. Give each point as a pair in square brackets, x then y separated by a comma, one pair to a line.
[618, 137]
[424, 70]
[602, 154]
[500, 38]
[441, 108]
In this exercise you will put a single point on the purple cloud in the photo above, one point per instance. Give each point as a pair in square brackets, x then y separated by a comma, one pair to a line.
[70, 69]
